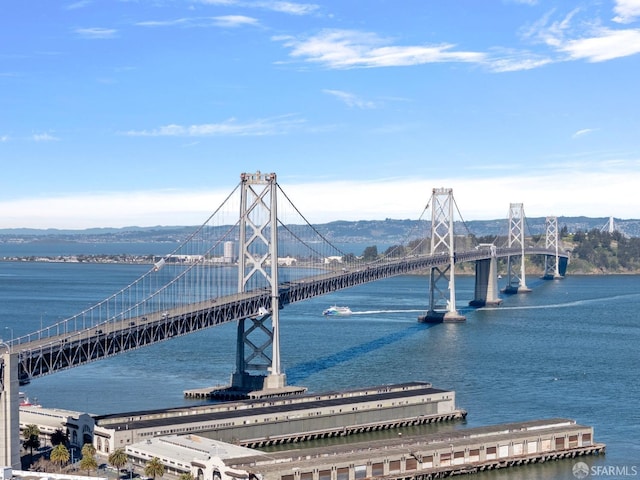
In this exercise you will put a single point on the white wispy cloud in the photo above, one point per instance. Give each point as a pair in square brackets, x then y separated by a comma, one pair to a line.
[550, 32]
[514, 61]
[44, 137]
[164, 23]
[583, 132]
[291, 8]
[567, 38]
[341, 49]
[350, 99]
[219, 2]
[224, 21]
[96, 33]
[606, 44]
[4, 138]
[231, 127]
[585, 39]
[626, 11]
[231, 21]
[77, 5]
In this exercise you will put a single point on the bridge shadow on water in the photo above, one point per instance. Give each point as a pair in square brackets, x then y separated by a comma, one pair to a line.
[300, 372]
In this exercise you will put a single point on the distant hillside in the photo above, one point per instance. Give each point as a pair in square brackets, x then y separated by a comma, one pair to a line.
[388, 231]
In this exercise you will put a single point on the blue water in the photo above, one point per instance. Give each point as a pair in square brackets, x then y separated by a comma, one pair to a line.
[567, 349]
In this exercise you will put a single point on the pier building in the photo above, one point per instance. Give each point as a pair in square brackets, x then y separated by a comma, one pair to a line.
[77, 426]
[227, 441]
[421, 457]
[275, 420]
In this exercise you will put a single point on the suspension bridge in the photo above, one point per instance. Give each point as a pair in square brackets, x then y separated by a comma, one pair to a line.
[245, 268]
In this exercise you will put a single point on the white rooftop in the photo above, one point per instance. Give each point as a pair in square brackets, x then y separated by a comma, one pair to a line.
[186, 448]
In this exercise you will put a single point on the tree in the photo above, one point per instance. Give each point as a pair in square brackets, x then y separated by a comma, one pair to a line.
[31, 435]
[88, 461]
[370, 253]
[89, 464]
[186, 476]
[154, 468]
[88, 450]
[118, 458]
[60, 455]
[59, 437]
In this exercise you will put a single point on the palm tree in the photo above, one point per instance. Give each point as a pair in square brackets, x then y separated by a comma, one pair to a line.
[118, 459]
[88, 450]
[60, 455]
[186, 476]
[88, 461]
[31, 435]
[154, 468]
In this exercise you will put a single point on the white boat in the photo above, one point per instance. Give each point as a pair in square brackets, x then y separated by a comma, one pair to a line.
[25, 402]
[337, 311]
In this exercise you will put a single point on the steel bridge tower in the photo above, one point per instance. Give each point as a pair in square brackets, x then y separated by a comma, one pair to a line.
[442, 305]
[515, 283]
[258, 374]
[551, 262]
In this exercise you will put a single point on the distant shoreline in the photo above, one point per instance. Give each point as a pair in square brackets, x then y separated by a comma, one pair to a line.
[148, 259]
[98, 258]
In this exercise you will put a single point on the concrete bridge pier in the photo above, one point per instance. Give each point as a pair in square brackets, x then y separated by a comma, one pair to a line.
[486, 286]
[9, 411]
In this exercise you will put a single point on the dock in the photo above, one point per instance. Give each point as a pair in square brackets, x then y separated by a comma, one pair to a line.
[463, 451]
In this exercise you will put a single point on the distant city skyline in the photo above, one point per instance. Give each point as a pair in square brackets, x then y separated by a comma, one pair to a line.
[121, 114]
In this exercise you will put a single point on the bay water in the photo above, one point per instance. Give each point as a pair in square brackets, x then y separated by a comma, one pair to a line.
[570, 348]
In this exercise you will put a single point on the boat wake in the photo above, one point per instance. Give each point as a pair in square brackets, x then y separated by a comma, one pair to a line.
[377, 312]
[567, 304]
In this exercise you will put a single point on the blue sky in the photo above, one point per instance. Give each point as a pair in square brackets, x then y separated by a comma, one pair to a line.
[116, 113]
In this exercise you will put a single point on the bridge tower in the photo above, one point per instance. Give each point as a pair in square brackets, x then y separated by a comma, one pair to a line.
[442, 305]
[9, 409]
[258, 374]
[515, 283]
[552, 262]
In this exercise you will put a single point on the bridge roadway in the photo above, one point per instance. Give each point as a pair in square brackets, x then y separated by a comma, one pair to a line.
[46, 355]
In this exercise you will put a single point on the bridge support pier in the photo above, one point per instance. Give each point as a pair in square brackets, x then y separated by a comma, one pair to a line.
[9, 412]
[486, 287]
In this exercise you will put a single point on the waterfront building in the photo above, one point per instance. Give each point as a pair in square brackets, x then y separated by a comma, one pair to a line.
[275, 420]
[77, 426]
[202, 457]
[407, 457]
